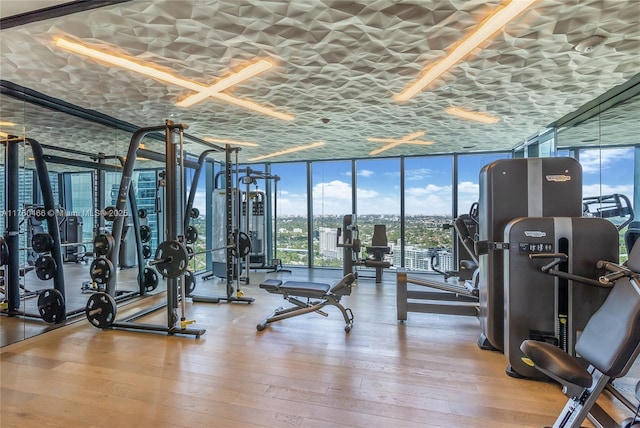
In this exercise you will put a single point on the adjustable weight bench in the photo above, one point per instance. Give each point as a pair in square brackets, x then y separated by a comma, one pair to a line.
[317, 296]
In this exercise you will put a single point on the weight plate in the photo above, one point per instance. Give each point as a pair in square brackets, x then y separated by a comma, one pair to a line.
[171, 259]
[41, 242]
[101, 270]
[190, 252]
[189, 282]
[145, 233]
[4, 252]
[103, 244]
[101, 310]
[243, 245]
[51, 306]
[195, 213]
[146, 251]
[150, 279]
[45, 267]
[142, 213]
[110, 213]
[191, 235]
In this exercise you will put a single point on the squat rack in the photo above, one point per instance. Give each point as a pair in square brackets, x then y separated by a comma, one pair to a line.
[101, 309]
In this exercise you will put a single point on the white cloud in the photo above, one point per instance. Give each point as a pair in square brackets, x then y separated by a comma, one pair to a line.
[469, 187]
[606, 189]
[365, 173]
[417, 174]
[594, 161]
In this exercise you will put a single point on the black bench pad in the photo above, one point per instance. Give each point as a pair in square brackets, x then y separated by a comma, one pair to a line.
[296, 288]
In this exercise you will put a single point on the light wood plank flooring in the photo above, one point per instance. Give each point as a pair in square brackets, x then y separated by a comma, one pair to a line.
[301, 372]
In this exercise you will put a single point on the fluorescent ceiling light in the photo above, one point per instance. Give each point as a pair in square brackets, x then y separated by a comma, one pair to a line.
[471, 115]
[487, 28]
[230, 142]
[7, 123]
[202, 91]
[393, 142]
[227, 82]
[287, 151]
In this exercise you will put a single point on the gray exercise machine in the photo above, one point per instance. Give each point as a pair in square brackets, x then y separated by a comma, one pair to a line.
[547, 292]
[509, 189]
[609, 344]
[308, 297]
[347, 238]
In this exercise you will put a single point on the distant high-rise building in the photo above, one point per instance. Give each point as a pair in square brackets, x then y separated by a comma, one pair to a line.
[420, 258]
[328, 243]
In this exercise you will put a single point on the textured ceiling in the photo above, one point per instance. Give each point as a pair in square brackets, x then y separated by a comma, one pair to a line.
[336, 60]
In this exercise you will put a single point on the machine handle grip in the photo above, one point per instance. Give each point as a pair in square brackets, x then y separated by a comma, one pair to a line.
[612, 277]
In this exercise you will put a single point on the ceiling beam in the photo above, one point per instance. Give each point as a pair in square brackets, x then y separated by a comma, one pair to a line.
[54, 12]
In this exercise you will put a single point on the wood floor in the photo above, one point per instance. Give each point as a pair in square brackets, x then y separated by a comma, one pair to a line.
[301, 372]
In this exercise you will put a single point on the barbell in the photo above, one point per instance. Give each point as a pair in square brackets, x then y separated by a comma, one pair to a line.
[172, 257]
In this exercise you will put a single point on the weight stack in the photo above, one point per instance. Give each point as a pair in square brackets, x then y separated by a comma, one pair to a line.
[541, 306]
[509, 189]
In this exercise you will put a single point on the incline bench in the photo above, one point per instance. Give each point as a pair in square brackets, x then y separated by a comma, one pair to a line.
[317, 296]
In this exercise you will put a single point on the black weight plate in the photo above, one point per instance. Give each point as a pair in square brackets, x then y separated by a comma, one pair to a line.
[171, 259]
[51, 306]
[110, 213]
[195, 213]
[146, 251]
[142, 213]
[145, 233]
[190, 252]
[101, 270]
[101, 310]
[45, 267]
[243, 245]
[4, 252]
[103, 244]
[41, 242]
[150, 279]
[190, 282]
[191, 235]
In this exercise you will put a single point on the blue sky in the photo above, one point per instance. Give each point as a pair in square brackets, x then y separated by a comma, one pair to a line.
[427, 183]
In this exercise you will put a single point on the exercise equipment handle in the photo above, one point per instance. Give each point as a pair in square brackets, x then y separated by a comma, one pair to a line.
[616, 270]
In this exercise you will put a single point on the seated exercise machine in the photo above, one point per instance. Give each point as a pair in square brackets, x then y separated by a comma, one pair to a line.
[350, 244]
[317, 296]
[377, 250]
[456, 293]
[609, 343]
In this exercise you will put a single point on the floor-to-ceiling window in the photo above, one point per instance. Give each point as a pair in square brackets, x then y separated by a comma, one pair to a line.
[428, 207]
[332, 200]
[291, 216]
[378, 200]
[607, 172]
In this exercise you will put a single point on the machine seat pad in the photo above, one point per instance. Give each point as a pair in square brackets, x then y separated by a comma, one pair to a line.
[296, 288]
[554, 360]
[376, 263]
[378, 248]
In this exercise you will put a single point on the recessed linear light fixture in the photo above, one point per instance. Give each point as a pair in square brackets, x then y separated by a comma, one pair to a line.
[230, 142]
[7, 123]
[202, 91]
[393, 142]
[291, 150]
[486, 29]
[471, 115]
